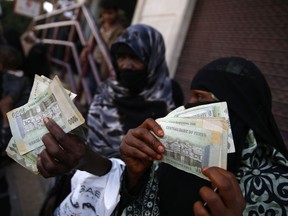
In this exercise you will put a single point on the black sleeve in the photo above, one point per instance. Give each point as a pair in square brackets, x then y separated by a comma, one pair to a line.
[127, 197]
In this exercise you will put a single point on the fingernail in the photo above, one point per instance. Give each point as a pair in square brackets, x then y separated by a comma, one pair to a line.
[204, 169]
[161, 149]
[160, 133]
[46, 120]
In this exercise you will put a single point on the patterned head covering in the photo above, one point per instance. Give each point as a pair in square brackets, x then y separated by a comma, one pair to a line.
[113, 109]
[148, 44]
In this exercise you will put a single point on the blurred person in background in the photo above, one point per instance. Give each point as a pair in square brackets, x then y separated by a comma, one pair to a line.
[111, 26]
[36, 56]
[14, 92]
[15, 87]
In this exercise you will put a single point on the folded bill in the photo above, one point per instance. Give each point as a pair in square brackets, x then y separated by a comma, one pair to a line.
[29, 160]
[48, 98]
[218, 109]
[41, 84]
[26, 122]
[197, 137]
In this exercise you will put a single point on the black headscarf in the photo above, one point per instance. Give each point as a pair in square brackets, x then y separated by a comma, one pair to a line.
[241, 84]
[114, 110]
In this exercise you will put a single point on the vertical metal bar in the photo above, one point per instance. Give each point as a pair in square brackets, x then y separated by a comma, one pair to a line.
[71, 48]
[100, 42]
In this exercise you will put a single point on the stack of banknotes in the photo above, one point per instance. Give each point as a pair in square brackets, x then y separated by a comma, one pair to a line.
[197, 137]
[48, 98]
[194, 138]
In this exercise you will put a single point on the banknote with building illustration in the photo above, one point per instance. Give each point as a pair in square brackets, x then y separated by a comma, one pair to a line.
[217, 109]
[192, 142]
[48, 98]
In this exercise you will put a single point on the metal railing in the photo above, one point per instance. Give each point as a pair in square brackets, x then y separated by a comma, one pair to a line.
[48, 28]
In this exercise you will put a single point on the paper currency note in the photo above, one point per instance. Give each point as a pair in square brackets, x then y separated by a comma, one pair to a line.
[40, 84]
[175, 111]
[29, 160]
[26, 122]
[218, 109]
[218, 124]
[192, 148]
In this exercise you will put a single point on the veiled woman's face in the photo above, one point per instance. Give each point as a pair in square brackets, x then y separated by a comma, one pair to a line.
[129, 62]
[201, 96]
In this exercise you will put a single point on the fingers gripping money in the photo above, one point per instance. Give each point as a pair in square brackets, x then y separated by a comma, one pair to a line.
[48, 99]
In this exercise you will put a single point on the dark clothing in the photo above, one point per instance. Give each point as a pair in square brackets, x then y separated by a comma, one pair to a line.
[37, 62]
[259, 163]
[133, 111]
[178, 95]
[18, 87]
[242, 85]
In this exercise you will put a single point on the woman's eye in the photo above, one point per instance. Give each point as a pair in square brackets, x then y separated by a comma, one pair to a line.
[200, 96]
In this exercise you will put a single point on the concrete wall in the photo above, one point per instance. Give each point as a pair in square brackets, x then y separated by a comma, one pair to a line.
[253, 29]
[171, 18]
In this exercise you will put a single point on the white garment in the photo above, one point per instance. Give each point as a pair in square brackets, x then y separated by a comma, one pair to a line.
[93, 195]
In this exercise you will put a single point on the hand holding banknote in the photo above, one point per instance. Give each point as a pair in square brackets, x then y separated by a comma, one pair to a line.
[220, 203]
[64, 152]
[56, 145]
[139, 148]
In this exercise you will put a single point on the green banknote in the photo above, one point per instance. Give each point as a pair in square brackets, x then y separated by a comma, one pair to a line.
[190, 146]
[218, 109]
[29, 160]
[26, 122]
[41, 84]
[197, 137]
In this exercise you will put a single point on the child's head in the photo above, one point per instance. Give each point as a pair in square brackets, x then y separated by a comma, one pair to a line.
[109, 11]
[10, 58]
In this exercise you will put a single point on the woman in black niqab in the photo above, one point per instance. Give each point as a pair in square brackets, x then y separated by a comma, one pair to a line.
[258, 142]
[260, 161]
[241, 84]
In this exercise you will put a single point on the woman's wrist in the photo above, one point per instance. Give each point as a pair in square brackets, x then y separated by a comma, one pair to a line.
[134, 179]
[94, 163]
